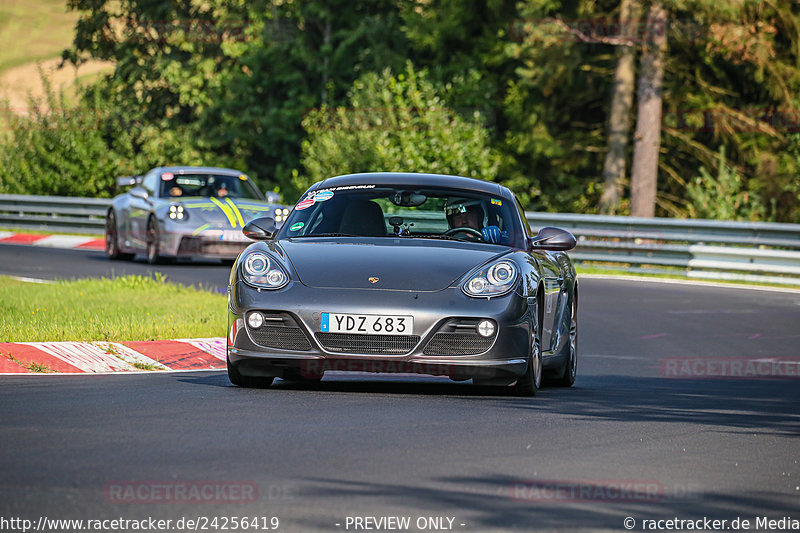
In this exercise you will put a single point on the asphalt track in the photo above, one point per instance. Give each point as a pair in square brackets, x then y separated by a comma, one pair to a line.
[426, 447]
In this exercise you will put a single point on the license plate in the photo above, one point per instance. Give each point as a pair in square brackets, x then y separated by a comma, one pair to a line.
[366, 324]
[232, 235]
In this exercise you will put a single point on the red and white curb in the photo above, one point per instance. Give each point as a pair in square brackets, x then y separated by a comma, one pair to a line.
[72, 242]
[109, 357]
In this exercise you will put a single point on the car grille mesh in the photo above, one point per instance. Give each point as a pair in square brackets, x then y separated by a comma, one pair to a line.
[457, 344]
[367, 344]
[280, 331]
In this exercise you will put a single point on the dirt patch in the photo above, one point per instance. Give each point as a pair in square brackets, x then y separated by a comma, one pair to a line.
[18, 84]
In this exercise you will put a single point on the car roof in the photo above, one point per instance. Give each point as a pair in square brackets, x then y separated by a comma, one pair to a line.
[412, 179]
[201, 170]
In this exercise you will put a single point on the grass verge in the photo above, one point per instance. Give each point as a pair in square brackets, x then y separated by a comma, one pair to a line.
[32, 30]
[588, 269]
[129, 308]
[28, 231]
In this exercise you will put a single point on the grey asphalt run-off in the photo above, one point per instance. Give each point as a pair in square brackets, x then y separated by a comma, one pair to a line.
[426, 447]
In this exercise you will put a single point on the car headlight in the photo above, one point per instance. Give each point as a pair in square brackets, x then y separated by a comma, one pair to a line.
[261, 271]
[493, 280]
[178, 213]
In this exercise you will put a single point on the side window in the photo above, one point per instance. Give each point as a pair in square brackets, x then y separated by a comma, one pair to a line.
[528, 230]
[149, 183]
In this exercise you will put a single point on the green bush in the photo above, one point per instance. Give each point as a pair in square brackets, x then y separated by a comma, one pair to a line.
[79, 150]
[57, 150]
[725, 197]
[394, 124]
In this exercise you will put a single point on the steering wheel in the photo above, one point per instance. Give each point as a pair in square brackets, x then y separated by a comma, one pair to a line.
[466, 229]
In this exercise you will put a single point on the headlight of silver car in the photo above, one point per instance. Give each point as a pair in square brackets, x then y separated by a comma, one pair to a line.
[493, 280]
[259, 270]
[177, 212]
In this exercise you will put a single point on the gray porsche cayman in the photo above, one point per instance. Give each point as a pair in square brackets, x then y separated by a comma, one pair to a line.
[404, 273]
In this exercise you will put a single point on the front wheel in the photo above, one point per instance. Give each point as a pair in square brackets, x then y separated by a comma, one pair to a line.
[247, 381]
[528, 384]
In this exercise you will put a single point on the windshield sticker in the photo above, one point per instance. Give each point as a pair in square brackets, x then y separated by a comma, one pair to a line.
[495, 201]
[314, 197]
[297, 226]
[351, 187]
[166, 176]
[242, 177]
[323, 196]
[305, 204]
[326, 194]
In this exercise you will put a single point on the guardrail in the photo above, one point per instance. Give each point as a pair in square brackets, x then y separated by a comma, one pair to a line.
[706, 249]
[747, 251]
[53, 213]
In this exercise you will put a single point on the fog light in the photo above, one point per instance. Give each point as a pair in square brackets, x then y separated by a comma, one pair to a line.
[255, 319]
[485, 328]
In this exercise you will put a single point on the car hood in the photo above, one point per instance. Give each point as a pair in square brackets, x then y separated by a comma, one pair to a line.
[222, 212]
[397, 264]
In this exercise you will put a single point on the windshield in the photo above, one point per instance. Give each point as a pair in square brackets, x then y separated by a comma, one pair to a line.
[386, 211]
[207, 185]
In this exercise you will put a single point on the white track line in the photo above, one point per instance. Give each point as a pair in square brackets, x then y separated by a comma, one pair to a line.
[62, 241]
[121, 373]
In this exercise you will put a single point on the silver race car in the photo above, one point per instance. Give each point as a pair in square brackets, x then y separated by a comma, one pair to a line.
[176, 212]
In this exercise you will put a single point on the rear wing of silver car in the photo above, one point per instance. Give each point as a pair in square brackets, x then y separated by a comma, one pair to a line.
[127, 181]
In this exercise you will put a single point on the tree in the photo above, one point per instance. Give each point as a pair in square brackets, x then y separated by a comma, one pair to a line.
[394, 123]
[620, 110]
[647, 141]
[233, 80]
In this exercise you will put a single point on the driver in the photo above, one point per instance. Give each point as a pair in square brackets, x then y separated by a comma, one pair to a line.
[466, 213]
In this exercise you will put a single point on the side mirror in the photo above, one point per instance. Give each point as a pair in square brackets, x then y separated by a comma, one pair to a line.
[553, 239]
[138, 192]
[260, 229]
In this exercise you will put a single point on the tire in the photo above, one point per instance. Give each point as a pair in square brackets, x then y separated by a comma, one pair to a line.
[153, 247]
[567, 378]
[528, 384]
[246, 381]
[112, 239]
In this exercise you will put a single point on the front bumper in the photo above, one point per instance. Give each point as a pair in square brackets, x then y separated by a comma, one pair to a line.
[211, 243]
[443, 341]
